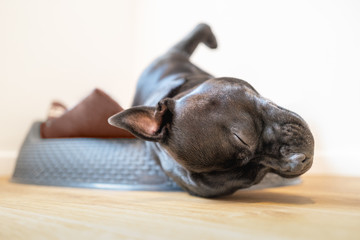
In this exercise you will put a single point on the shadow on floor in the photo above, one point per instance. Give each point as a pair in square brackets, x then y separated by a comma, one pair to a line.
[268, 197]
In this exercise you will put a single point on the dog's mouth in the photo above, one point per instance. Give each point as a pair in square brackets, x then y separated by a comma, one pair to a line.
[289, 168]
[290, 174]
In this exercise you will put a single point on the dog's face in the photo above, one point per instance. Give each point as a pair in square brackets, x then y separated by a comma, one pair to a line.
[224, 124]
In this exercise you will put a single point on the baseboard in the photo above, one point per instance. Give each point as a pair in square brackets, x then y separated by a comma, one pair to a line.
[7, 162]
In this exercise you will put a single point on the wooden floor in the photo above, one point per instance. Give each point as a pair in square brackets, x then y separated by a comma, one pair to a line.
[320, 208]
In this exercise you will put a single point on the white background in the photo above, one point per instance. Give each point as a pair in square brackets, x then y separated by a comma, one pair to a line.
[303, 55]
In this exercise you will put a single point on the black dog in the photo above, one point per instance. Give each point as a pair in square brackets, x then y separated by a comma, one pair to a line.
[213, 135]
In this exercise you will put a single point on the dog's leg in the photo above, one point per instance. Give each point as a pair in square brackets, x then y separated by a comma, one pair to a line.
[201, 33]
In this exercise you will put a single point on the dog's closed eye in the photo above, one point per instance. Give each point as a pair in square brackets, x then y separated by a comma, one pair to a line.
[241, 140]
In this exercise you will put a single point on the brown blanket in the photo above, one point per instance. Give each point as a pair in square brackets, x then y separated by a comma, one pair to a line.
[86, 119]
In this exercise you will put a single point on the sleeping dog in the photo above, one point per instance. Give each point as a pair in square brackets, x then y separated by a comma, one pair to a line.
[213, 135]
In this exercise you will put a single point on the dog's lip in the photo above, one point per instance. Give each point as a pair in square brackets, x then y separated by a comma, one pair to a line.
[306, 165]
[284, 169]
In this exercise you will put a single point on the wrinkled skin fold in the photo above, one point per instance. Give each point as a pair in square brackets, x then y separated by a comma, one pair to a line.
[213, 135]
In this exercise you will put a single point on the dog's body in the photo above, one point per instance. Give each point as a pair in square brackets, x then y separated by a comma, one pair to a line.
[213, 135]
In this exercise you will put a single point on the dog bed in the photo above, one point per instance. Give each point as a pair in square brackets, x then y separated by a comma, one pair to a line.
[118, 163]
[89, 162]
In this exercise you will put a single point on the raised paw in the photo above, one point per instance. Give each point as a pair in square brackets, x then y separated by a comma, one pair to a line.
[209, 37]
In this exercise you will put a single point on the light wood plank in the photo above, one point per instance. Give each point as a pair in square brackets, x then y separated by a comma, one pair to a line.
[323, 207]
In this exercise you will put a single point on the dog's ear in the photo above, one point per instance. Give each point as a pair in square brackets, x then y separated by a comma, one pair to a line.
[143, 122]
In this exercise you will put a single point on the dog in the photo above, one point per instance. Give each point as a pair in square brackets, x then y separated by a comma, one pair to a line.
[213, 136]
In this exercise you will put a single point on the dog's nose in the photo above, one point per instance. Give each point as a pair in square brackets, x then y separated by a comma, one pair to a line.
[296, 161]
[297, 157]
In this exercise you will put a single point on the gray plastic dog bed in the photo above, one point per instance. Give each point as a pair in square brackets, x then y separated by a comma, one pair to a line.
[89, 162]
[121, 164]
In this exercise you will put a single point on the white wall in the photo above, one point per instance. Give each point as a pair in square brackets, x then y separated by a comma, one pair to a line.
[304, 55]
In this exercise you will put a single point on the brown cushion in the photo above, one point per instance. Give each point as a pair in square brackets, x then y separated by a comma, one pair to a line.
[87, 119]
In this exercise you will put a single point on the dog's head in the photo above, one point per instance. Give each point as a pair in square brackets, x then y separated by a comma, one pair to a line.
[223, 124]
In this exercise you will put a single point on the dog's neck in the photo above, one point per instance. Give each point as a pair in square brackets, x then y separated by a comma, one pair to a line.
[176, 86]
